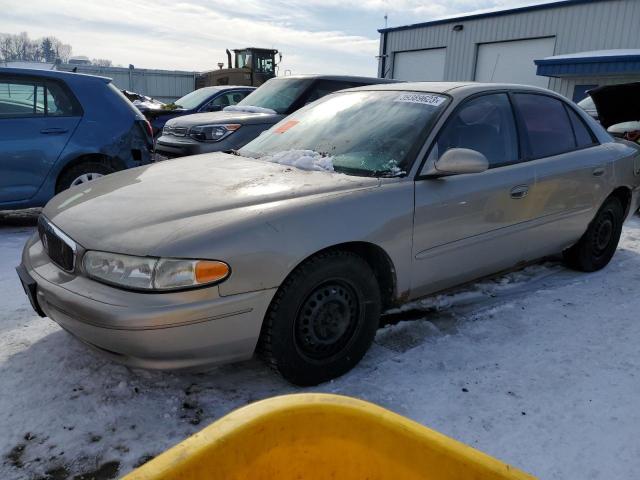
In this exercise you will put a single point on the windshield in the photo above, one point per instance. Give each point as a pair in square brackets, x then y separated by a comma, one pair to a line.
[368, 133]
[195, 98]
[278, 94]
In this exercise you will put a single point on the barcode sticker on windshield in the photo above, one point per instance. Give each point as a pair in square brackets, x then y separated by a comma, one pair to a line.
[425, 99]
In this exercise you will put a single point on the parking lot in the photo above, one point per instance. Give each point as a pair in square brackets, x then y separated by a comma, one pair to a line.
[537, 368]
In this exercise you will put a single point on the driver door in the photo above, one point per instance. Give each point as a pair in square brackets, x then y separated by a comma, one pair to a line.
[471, 225]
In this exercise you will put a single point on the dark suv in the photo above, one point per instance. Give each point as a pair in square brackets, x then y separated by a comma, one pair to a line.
[59, 129]
[238, 125]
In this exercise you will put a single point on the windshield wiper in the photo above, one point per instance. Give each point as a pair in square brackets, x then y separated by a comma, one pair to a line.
[363, 172]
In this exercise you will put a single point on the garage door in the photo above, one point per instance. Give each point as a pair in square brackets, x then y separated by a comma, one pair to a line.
[420, 65]
[512, 62]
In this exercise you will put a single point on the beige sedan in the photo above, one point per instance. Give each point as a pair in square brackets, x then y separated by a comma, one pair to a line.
[294, 245]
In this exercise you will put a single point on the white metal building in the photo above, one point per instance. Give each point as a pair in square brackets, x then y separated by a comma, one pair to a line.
[568, 46]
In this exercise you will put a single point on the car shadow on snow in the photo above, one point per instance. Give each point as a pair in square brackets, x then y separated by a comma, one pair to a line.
[19, 218]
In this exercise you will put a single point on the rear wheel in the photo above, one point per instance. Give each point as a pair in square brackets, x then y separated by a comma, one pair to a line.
[598, 245]
[82, 173]
[323, 319]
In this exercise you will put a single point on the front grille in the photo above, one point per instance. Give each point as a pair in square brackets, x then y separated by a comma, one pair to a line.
[59, 247]
[175, 131]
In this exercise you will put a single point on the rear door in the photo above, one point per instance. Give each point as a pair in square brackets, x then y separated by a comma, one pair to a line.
[468, 226]
[37, 118]
[571, 170]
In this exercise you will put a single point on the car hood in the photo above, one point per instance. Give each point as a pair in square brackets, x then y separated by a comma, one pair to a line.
[134, 211]
[243, 118]
[617, 103]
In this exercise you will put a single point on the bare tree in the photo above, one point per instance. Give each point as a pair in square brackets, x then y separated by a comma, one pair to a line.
[21, 48]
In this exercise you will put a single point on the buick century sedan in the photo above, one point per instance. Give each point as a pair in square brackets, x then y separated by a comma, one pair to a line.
[293, 247]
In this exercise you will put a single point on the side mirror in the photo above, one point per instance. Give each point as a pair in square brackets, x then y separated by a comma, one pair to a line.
[458, 161]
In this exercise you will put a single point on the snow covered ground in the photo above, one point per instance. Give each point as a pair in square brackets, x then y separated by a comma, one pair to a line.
[539, 368]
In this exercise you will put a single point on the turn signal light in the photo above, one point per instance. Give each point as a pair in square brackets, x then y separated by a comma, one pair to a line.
[208, 271]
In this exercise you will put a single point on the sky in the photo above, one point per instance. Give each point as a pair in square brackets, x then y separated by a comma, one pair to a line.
[314, 36]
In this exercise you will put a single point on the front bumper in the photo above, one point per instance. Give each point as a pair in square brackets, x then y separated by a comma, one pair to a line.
[193, 329]
[173, 147]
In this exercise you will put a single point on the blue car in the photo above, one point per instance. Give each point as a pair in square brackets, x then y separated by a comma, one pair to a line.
[206, 99]
[59, 129]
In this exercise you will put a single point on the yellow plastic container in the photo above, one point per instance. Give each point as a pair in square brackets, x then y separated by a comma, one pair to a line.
[318, 436]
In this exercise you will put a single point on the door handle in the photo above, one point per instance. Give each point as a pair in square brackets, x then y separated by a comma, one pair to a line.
[598, 172]
[54, 131]
[519, 191]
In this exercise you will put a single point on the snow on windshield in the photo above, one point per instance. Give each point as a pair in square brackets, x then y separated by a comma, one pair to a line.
[248, 109]
[302, 159]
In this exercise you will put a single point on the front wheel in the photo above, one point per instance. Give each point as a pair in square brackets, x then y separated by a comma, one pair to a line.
[597, 246]
[323, 319]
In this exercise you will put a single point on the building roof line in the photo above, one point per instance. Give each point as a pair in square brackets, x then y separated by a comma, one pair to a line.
[495, 13]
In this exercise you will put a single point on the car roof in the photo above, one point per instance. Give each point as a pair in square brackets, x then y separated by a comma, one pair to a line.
[454, 89]
[230, 87]
[344, 78]
[34, 72]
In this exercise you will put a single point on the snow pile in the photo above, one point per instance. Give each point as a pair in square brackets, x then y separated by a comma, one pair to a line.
[394, 169]
[248, 109]
[302, 159]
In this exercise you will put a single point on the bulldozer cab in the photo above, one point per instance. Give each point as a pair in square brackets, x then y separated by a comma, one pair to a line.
[251, 67]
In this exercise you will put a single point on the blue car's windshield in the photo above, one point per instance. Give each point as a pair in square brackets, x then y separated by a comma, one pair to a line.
[360, 132]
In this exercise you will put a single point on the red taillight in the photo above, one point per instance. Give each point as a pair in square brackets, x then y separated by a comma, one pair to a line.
[149, 129]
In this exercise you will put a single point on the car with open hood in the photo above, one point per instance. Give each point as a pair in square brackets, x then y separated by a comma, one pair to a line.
[617, 108]
[237, 125]
[294, 245]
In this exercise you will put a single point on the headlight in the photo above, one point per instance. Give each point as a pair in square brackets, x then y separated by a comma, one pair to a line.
[212, 133]
[147, 273]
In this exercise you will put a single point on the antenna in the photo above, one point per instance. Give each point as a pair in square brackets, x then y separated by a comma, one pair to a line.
[386, 17]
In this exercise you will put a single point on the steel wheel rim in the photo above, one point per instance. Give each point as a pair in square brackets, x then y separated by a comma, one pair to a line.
[603, 234]
[327, 320]
[86, 177]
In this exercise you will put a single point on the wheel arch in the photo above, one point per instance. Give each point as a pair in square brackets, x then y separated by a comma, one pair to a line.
[622, 193]
[113, 163]
[376, 257]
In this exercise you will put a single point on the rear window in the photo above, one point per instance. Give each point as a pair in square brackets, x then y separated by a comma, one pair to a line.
[584, 136]
[546, 123]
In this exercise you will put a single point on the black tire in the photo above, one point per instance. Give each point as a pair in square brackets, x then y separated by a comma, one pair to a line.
[598, 245]
[68, 176]
[323, 319]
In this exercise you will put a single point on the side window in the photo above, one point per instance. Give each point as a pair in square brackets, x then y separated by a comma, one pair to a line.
[58, 102]
[484, 124]
[30, 99]
[227, 99]
[325, 87]
[17, 99]
[584, 136]
[546, 125]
